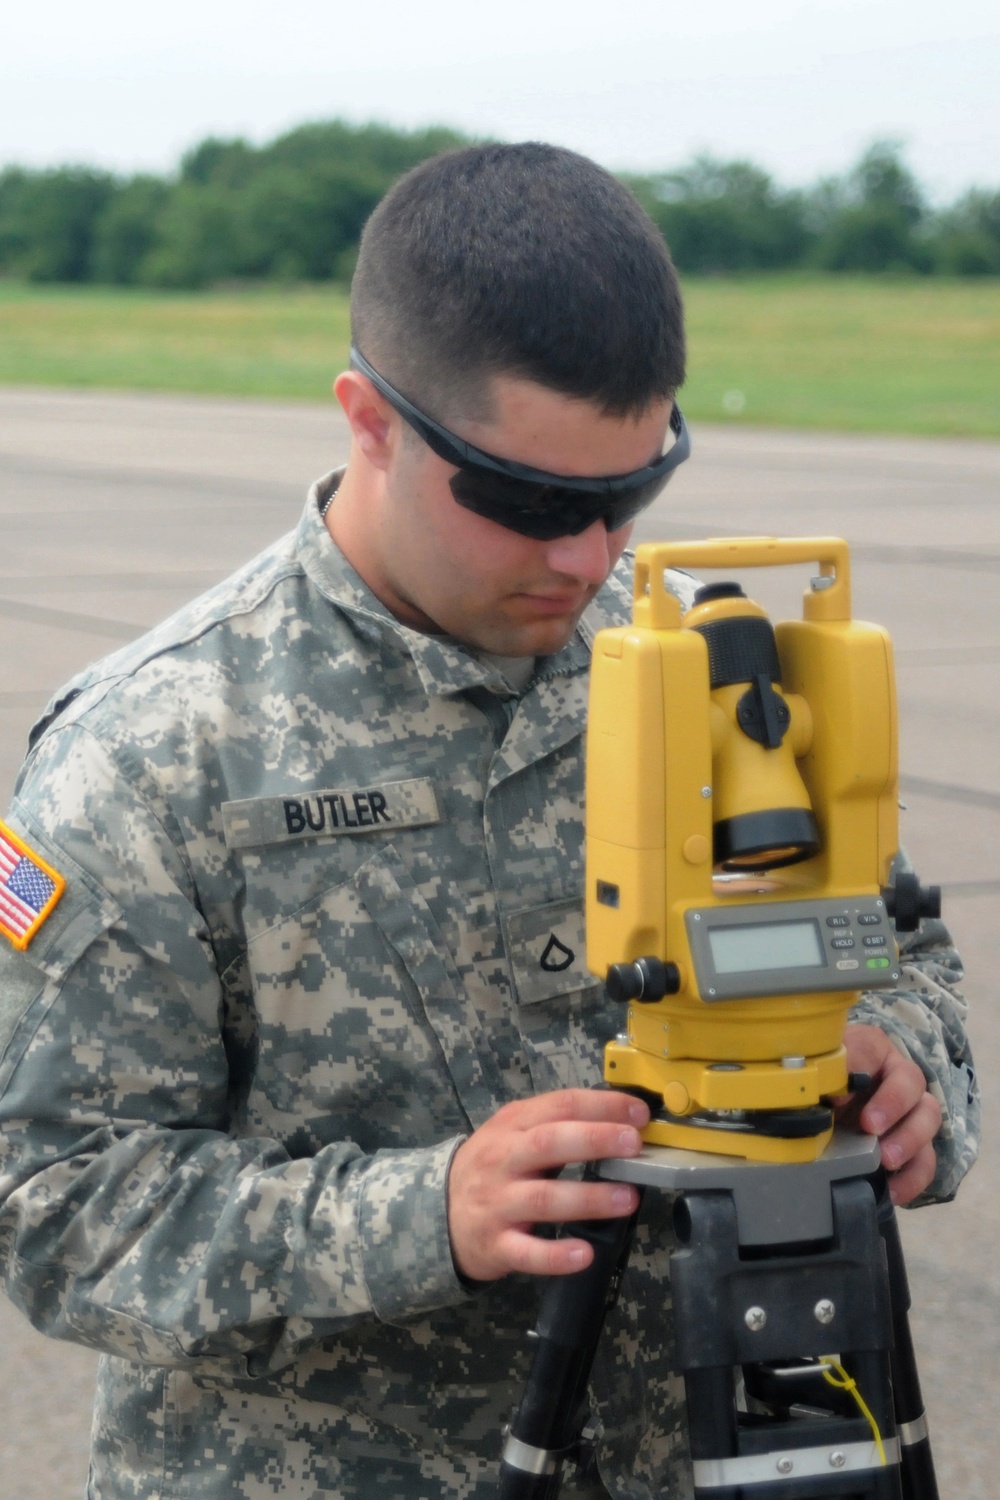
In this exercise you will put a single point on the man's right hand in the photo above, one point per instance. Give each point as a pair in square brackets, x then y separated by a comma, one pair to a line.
[502, 1184]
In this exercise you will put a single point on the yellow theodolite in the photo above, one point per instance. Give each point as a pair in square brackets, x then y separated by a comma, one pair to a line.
[741, 892]
[741, 823]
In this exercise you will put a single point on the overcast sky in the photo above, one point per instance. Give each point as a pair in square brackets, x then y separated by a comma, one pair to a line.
[800, 88]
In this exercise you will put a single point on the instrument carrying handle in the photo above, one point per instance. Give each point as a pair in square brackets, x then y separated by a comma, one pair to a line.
[827, 601]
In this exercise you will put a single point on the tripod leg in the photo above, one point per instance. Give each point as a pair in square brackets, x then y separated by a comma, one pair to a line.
[553, 1407]
[712, 1427]
[916, 1460]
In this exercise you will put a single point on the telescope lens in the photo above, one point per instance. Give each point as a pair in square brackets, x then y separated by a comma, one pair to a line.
[766, 840]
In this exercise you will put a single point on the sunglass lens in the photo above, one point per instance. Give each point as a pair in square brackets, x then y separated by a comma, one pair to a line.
[511, 503]
[545, 511]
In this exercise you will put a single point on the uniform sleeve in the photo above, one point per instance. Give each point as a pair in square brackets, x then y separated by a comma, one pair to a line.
[133, 1216]
[925, 1017]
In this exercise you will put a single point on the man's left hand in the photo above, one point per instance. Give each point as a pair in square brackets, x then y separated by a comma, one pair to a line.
[899, 1110]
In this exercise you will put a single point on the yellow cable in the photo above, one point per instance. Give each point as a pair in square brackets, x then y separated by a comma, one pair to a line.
[846, 1383]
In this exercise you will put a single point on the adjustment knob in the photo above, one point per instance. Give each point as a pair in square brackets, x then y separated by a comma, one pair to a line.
[647, 980]
[907, 901]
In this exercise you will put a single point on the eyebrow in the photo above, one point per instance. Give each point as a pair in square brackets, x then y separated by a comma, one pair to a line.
[468, 453]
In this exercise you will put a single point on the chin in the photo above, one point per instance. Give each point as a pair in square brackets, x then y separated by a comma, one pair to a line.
[542, 639]
[506, 635]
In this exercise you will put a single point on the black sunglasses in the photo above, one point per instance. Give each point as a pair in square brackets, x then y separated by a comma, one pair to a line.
[530, 501]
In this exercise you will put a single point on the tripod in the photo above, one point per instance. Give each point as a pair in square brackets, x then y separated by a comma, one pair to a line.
[779, 1268]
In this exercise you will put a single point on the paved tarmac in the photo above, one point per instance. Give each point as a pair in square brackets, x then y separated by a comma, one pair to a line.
[116, 509]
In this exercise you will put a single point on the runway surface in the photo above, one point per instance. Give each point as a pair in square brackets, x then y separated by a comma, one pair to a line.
[116, 509]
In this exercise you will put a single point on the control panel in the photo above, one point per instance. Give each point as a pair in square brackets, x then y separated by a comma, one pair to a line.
[791, 947]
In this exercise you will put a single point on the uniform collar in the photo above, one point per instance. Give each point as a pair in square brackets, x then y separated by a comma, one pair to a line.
[445, 666]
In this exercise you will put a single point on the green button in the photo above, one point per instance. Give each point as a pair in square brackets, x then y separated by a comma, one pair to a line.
[878, 963]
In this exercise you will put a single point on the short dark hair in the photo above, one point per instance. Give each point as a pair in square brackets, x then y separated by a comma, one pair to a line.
[523, 260]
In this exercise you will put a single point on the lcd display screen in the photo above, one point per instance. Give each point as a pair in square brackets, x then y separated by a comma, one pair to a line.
[776, 945]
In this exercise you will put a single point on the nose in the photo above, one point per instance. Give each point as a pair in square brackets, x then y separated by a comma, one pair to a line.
[589, 556]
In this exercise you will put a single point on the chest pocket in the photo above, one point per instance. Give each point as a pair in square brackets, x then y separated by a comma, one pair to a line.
[565, 1015]
[362, 1027]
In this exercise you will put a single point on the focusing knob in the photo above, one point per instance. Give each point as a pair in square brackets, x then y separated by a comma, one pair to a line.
[907, 901]
[647, 980]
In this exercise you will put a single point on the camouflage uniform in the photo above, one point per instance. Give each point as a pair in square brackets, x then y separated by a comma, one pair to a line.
[323, 916]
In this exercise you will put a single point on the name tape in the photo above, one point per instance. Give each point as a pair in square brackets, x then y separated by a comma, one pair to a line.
[292, 816]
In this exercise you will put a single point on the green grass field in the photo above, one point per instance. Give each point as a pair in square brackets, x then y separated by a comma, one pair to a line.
[852, 354]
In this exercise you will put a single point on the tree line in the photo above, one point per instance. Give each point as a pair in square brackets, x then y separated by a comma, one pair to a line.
[292, 210]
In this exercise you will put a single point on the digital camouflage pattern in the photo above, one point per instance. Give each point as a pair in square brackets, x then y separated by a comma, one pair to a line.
[323, 916]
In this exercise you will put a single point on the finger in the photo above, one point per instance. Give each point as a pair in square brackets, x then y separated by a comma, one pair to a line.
[544, 1201]
[570, 1142]
[899, 1090]
[912, 1135]
[611, 1105]
[866, 1047]
[911, 1181]
[890, 1104]
[532, 1256]
[484, 1237]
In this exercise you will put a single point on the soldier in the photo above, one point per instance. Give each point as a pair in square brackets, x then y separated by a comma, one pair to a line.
[295, 1027]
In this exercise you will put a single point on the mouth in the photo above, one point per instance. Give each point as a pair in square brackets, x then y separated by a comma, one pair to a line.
[557, 604]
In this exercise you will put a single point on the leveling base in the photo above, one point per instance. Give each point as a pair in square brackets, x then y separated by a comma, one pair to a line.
[750, 1142]
[762, 1111]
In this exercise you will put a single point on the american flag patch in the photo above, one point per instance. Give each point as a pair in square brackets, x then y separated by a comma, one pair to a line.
[29, 889]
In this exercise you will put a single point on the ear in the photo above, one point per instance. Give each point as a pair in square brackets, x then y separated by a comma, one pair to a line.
[374, 425]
